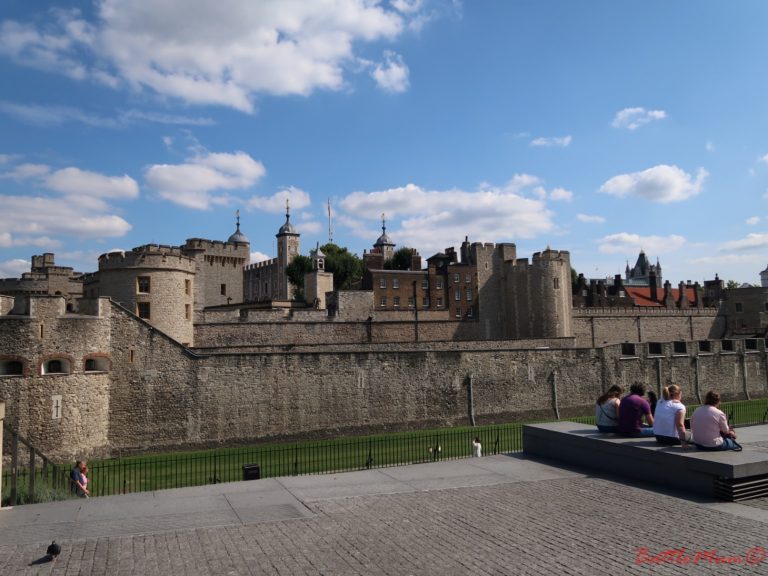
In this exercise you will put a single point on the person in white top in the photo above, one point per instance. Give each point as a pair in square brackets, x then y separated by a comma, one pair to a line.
[710, 426]
[477, 448]
[669, 418]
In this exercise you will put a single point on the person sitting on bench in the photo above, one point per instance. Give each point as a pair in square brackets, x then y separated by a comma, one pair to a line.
[632, 409]
[710, 426]
[607, 409]
[669, 418]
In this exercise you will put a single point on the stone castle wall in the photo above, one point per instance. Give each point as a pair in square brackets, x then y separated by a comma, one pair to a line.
[219, 270]
[595, 327]
[158, 395]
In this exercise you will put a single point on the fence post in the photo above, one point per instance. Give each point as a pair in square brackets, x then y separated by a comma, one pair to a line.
[31, 494]
[14, 468]
[2, 420]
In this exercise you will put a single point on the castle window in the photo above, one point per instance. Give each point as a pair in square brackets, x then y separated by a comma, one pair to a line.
[486, 265]
[750, 344]
[471, 312]
[468, 278]
[142, 284]
[425, 302]
[395, 283]
[458, 312]
[457, 295]
[739, 307]
[425, 286]
[382, 282]
[187, 311]
[655, 349]
[679, 347]
[187, 287]
[556, 282]
[11, 368]
[383, 301]
[440, 302]
[456, 277]
[143, 310]
[705, 346]
[96, 364]
[411, 302]
[627, 349]
[223, 289]
[396, 301]
[727, 346]
[469, 294]
[56, 366]
[439, 284]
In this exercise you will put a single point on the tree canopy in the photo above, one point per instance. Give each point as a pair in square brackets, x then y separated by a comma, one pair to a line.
[401, 259]
[346, 267]
[299, 266]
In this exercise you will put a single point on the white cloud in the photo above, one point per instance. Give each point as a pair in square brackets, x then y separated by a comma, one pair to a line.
[633, 118]
[590, 218]
[258, 257]
[14, 268]
[661, 183]
[223, 53]
[709, 146]
[75, 182]
[433, 218]
[753, 220]
[627, 243]
[26, 171]
[69, 201]
[275, 204]
[392, 74]
[561, 194]
[753, 241]
[555, 141]
[764, 159]
[199, 181]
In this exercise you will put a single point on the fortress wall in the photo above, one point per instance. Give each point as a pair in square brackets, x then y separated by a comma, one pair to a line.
[160, 396]
[82, 426]
[239, 398]
[6, 304]
[329, 332]
[633, 326]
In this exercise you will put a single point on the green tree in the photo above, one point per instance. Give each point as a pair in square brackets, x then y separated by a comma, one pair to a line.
[346, 267]
[731, 284]
[401, 259]
[299, 266]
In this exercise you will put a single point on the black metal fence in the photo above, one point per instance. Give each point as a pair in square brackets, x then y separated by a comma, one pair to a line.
[41, 480]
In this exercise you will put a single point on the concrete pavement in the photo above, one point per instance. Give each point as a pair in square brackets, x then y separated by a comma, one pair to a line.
[492, 515]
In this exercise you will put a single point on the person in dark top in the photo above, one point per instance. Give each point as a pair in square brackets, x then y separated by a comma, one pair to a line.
[632, 409]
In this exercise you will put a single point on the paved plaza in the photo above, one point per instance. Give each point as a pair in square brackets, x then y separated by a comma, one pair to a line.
[492, 515]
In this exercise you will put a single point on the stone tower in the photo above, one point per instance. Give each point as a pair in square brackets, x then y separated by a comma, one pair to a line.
[384, 243]
[287, 249]
[317, 282]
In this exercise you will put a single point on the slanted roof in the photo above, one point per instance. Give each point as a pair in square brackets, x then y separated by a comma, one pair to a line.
[641, 295]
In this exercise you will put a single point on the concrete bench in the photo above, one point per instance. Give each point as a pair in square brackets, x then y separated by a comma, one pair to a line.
[727, 475]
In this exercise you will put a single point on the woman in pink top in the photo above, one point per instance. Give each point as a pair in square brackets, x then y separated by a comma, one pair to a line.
[710, 426]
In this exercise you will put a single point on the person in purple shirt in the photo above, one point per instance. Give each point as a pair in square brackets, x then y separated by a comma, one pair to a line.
[632, 409]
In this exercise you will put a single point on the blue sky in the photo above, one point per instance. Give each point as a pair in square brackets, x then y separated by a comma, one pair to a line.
[598, 127]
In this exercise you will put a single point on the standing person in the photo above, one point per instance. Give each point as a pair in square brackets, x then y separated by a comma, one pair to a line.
[632, 409]
[710, 426]
[669, 418]
[84, 480]
[477, 448]
[607, 409]
[76, 479]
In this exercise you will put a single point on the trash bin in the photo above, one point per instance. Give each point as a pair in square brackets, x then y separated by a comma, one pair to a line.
[251, 472]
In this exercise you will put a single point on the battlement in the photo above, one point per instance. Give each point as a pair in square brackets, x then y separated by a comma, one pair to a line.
[148, 256]
[216, 247]
[262, 264]
[549, 254]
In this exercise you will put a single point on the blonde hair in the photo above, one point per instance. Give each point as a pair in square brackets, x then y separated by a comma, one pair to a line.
[671, 390]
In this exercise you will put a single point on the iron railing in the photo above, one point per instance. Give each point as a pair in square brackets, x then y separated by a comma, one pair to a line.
[178, 470]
